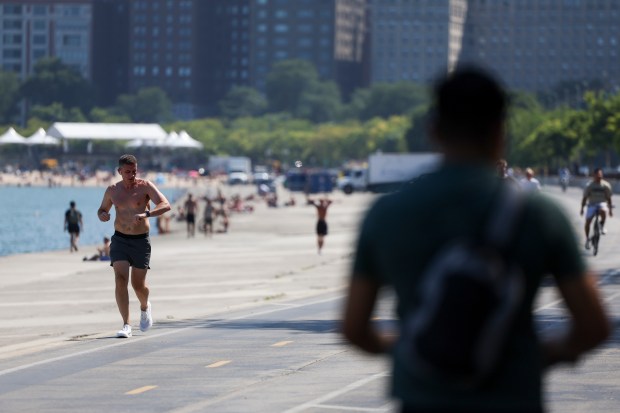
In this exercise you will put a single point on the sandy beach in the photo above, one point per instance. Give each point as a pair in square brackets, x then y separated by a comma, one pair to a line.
[99, 179]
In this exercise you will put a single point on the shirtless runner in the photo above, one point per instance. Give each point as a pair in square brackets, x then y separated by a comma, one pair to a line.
[131, 246]
[321, 225]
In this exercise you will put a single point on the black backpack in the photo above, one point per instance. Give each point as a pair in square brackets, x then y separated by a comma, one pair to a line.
[470, 294]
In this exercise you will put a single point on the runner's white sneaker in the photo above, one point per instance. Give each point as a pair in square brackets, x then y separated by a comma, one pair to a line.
[603, 230]
[125, 332]
[146, 321]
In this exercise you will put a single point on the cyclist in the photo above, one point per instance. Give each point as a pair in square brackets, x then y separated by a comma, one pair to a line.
[597, 194]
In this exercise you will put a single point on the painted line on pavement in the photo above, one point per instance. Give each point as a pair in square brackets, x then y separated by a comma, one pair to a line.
[125, 342]
[218, 364]
[281, 343]
[316, 402]
[140, 390]
[353, 409]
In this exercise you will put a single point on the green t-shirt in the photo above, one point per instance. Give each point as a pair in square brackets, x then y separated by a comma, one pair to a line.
[402, 231]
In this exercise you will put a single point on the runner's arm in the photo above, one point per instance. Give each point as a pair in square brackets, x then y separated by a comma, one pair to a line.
[103, 213]
[161, 202]
[589, 322]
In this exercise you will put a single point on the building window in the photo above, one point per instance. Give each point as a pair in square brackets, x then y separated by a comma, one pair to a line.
[12, 53]
[39, 10]
[168, 71]
[39, 39]
[71, 40]
[281, 28]
[281, 14]
[12, 9]
[12, 24]
[39, 24]
[38, 54]
[9, 39]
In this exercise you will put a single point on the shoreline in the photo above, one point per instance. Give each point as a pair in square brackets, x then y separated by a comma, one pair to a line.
[98, 179]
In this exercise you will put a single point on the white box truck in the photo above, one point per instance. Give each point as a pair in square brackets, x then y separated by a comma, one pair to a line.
[388, 171]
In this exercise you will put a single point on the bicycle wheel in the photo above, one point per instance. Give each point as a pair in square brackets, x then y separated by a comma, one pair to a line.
[596, 237]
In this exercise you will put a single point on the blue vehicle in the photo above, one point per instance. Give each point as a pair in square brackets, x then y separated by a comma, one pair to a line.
[309, 182]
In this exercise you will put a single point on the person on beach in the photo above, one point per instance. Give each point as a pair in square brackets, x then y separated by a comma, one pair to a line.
[103, 253]
[190, 208]
[208, 217]
[73, 225]
[130, 250]
[321, 224]
[402, 233]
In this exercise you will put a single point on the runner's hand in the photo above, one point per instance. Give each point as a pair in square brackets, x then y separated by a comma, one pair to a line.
[103, 216]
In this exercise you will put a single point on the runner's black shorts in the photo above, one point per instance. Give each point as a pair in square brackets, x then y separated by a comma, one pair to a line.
[136, 249]
[321, 227]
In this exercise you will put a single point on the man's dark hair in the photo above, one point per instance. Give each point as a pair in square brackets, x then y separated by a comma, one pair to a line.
[127, 160]
[469, 105]
[597, 169]
[72, 204]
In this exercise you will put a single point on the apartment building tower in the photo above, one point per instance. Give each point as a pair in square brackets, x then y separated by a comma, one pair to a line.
[242, 39]
[33, 29]
[415, 40]
[538, 45]
[532, 45]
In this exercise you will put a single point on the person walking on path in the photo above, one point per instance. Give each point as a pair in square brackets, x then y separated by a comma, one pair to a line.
[130, 249]
[321, 224]
[597, 196]
[529, 183]
[402, 232]
[73, 225]
[190, 208]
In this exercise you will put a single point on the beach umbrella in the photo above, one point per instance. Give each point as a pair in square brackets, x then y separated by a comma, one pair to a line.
[41, 138]
[12, 137]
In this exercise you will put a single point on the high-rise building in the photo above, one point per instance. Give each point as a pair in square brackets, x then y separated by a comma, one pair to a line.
[537, 45]
[32, 29]
[242, 39]
[532, 45]
[414, 40]
[110, 32]
[162, 49]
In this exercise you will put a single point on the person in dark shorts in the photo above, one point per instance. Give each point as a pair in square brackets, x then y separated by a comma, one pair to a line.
[209, 212]
[321, 225]
[130, 250]
[73, 225]
[190, 215]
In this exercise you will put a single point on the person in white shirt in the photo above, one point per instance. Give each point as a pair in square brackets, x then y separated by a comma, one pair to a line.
[529, 183]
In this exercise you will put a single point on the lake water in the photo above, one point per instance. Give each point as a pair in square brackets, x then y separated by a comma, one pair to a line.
[32, 218]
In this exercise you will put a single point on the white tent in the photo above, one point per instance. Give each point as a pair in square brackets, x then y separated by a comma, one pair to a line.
[41, 138]
[188, 142]
[106, 131]
[173, 140]
[11, 137]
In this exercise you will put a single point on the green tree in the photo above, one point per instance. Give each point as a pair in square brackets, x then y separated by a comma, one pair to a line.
[320, 103]
[599, 137]
[148, 105]
[387, 99]
[103, 115]
[53, 81]
[287, 82]
[417, 135]
[57, 113]
[242, 101]
[9, 96]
